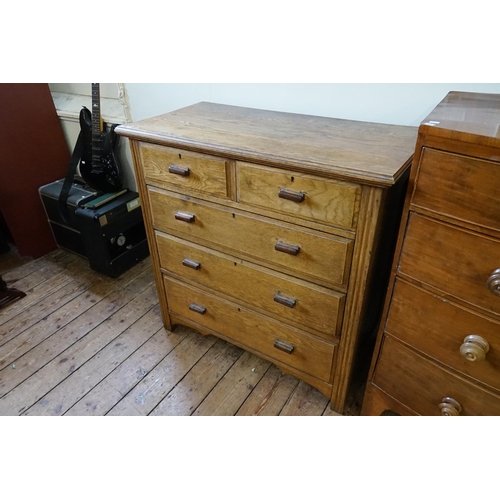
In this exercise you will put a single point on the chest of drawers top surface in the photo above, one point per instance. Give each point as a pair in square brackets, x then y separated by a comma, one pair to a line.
[372, 153]
[466, 116]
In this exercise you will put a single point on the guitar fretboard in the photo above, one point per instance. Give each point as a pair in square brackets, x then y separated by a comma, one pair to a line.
[96, 125]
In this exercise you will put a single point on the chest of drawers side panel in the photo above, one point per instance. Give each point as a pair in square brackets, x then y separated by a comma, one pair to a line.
[380, 213]
[148, 222]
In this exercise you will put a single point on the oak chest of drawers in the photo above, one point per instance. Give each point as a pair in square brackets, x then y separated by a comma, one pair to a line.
[274, 231]
[438, 350]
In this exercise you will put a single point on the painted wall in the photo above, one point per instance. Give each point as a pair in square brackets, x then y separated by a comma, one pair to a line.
[401, 104]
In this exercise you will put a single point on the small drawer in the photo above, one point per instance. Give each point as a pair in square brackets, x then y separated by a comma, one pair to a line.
[294, 301]
[452, 335]
[183, 171]
[308, 254]
[314, 198]
[271, 338]
[425, 387]
[458, 186]
[458, 262]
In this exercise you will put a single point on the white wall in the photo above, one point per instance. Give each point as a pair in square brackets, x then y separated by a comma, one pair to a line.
[402, 104]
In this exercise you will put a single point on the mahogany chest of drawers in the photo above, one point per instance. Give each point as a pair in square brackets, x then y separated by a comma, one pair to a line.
[274, 231]
[438, 349]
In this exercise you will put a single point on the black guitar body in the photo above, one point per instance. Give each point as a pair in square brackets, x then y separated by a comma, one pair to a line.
[99, 166]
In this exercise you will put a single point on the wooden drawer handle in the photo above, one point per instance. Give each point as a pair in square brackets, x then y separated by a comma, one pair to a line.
[284, 300]
[182, 171]
[191, 264]
[283, 346]
[184, 217]
[474, 348]
[494, 282]
[287, 248]
[198, 309]
[286, 194]
[450, 408]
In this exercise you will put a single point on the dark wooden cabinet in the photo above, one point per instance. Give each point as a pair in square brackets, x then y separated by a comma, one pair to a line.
[438, 349]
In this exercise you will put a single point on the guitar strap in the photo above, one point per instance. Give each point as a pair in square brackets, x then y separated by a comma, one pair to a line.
[68, 181]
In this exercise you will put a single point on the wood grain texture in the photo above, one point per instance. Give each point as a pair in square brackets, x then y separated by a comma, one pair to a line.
[448, 248]
[310, 354]
[468, 117]
[317, 308]
[440, 255]
[437, 327]
[92, 373]
[148, 224]
[374, 153]
[235, 387]
[206, 173]
[421, 384]
[270, 394]
[357, 301]
[324, 259]
[305, 195]
[461, 187]
[327, 201]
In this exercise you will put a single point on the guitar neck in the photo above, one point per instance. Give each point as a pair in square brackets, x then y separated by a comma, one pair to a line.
[96, 113]
[96, 121]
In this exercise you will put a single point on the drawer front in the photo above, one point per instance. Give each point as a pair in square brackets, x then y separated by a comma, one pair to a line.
[423, 385]
[182, 171]
[303, 196]
[309, 354]
[459, 262]
[459, 186]
[442, 330]
[295, 301]
[323, 259]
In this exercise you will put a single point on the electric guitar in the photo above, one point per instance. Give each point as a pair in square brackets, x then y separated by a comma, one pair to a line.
[99, 166]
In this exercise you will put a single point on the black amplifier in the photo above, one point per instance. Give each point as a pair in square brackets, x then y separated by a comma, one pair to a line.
[107, 229]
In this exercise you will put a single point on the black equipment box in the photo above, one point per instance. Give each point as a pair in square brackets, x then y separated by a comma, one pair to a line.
[107, 229]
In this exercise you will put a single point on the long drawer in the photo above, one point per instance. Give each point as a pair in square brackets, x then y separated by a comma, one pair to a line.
[442, 177]
[304, 196]
[271, 338]
[292, 300]
[443, 331]
[423, 386]
[307, 254]
[439, 254]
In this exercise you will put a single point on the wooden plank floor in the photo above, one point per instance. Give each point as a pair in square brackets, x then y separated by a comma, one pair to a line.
[81, 343]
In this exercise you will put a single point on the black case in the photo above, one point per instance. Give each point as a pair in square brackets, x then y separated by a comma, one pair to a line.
[66, 232]
[111, 236]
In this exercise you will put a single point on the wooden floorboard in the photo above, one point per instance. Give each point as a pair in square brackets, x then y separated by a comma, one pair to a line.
[84, 344]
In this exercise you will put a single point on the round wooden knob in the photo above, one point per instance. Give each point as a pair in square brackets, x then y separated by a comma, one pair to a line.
[450, 408]
[494, 282]
[474, 348]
